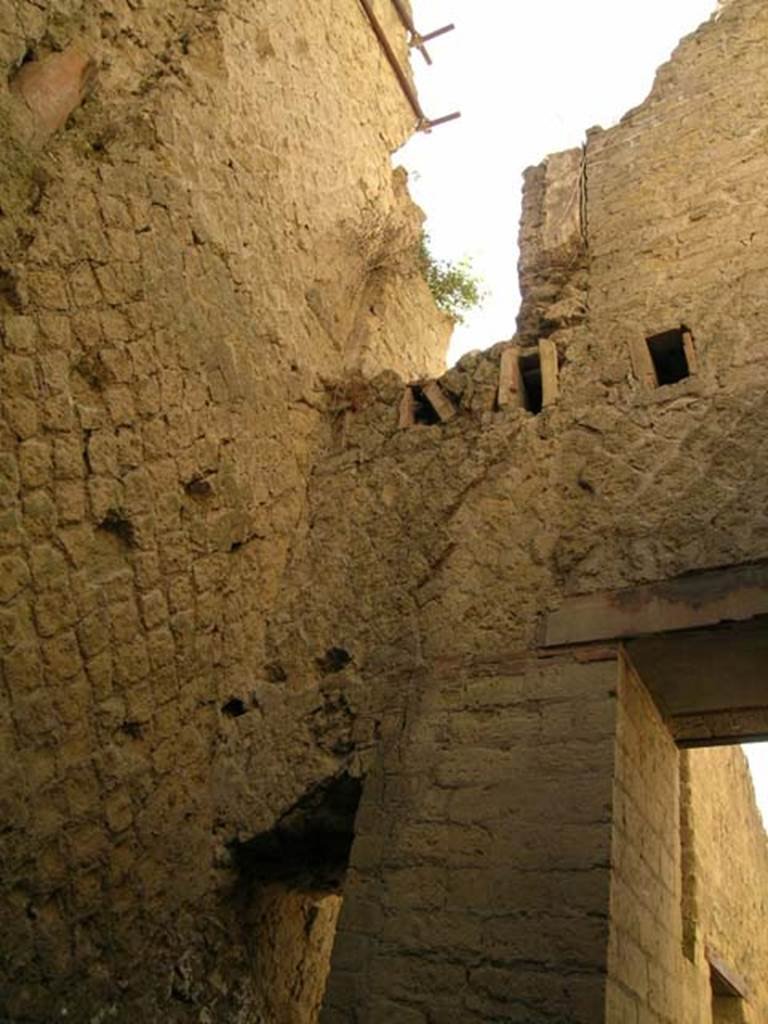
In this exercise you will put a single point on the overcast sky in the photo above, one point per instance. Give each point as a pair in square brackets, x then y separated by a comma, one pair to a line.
[529, 79]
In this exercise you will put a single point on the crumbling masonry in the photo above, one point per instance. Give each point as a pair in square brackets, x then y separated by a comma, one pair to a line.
[333, 688]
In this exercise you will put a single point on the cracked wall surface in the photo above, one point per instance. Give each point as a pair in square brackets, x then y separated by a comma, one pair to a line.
[230, 578]
[200, 235]
[474, 527]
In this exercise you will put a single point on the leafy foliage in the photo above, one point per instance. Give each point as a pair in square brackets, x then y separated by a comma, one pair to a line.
[456, 289]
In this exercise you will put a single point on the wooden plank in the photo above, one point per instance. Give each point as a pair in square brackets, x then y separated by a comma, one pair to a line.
[510, 384]
[690, 352]
[688, 602]
[642, 363]
[711, 684]
[549, 371]
[439, 401]
[685, 670]
[719, 728]
[725, 981]
[407, 415]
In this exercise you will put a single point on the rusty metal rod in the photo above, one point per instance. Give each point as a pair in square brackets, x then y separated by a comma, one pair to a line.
[434, 35]
[407, 20]
[441, 120]
[424, 123]
[391, 56]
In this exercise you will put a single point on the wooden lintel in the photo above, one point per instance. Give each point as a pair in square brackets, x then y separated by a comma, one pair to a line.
[549, 371]
[725, 981]
[735, 594]
[690, 352]
[439, 401]
[642, 363]
[509, 378]
[407, 414]
[583, 653]
[719, 728]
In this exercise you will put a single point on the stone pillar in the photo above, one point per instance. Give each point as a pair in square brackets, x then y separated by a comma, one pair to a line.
[480, 874]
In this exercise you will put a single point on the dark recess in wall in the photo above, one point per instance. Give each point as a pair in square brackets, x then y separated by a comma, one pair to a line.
[309, 846]
[668, 356]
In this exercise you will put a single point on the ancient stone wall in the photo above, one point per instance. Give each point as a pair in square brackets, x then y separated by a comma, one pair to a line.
[474, 522]
[239, 574]
[196, 208]
[689, 864]
[462, 901]
[647, 970]
[619, 481]
[726, 831]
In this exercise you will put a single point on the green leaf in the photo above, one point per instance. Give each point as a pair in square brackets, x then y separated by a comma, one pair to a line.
[455, 287]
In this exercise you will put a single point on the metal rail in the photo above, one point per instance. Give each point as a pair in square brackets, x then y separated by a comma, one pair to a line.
[424, 123]
[417, 39]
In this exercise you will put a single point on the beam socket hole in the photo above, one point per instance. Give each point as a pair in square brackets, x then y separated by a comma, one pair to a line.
[669, 356]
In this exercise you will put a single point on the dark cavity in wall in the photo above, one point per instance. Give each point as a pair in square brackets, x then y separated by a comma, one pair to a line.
[119, 526]
[423, 410]
[27, 58]
[198, 487]
[727, 999]
[530, 374]
[9, 296]
[289, 893]
[668, 355]
[309, 846]
[335, 659]
[234, 708]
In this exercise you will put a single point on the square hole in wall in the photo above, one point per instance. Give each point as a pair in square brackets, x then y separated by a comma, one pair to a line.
[670, 355]
[530, 376]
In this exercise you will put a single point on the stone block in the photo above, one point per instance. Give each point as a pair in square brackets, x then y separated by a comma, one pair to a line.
[14, 577]
[55, 86]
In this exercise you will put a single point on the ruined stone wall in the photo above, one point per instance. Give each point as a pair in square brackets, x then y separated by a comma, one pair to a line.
[473, 527]
[689, 866]
[727, 830]
[196, 202]
[553, 246]
[461, 901]
[293, 933]
[229, 576]
[647, 970]
[674, 199]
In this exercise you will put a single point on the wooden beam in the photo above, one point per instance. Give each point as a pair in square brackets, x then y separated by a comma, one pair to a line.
[701, 599]
[725, 981]
[690, 352]
[549, 371]
[719, 728]
[407, 414]
[442, 405]
[642, 363]
[510, 389]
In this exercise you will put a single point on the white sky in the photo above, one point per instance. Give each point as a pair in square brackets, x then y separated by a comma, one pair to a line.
[529, 76]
